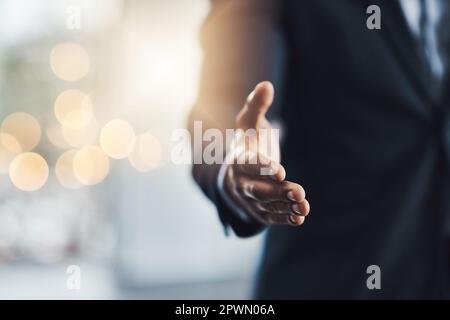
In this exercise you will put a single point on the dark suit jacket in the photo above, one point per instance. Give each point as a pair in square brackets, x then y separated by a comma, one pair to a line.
[366, 135]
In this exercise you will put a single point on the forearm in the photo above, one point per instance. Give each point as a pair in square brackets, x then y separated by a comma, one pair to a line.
[208, 177]
[241, 44]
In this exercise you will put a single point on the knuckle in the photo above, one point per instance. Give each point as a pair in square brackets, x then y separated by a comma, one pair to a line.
[263, 209]
[276, 208]
[248, 190]
[301, 190]
[240, 186]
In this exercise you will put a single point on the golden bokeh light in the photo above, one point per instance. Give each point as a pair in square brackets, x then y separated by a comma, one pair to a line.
[117, 138]
[55, 136]
[91, 165]
[147, 153]
[64, 170]
[73, 109]
[24, 128]
[28, 171]
[9, 148]
[69, 61]
[83, 136]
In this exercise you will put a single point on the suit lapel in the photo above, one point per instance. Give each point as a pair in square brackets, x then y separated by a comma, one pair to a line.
[446, 92]
[398, 34]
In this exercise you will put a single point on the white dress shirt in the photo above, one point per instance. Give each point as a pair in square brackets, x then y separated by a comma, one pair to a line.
[412, 11]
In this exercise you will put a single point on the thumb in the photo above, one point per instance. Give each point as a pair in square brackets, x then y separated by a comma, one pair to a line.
[256, 107]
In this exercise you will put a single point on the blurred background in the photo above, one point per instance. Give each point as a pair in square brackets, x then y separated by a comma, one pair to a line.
[90, 92]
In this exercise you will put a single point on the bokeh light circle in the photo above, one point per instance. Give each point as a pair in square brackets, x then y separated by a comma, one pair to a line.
[28, 171]
[91, 165]
[73, 109]
[117, 138]
[24, 128]
[9, 148]
[147, 153]
[79, 137]
[69, 61]
[64, 170]
[55, 136]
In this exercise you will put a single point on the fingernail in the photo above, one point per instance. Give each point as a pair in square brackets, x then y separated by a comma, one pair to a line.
[250, 96]
[292, 220]
[297, 221]
[296, 209]
[290, 196]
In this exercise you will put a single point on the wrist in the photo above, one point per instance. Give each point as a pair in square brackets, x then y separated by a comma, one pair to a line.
[232, 205]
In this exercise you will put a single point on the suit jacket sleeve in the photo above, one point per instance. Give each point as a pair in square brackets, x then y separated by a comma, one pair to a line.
[242, 45]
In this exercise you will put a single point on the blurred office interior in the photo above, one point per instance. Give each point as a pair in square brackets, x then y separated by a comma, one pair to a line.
[137, 226]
